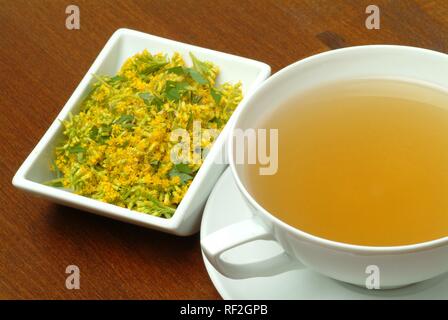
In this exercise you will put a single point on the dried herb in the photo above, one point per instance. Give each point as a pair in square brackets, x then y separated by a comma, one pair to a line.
[183, 171]
[117, 149]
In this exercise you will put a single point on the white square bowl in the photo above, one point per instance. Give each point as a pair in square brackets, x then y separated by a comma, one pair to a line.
[123, 44]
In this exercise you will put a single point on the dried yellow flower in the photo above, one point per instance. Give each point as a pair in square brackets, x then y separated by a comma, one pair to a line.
[117, 149]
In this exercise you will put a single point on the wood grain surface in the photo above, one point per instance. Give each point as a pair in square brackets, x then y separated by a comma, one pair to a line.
[41, 63]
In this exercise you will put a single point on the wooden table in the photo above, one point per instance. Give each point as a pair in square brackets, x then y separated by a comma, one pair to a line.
[41, 63]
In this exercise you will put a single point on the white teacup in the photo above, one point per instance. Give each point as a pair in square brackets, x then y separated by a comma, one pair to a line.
[396, 266]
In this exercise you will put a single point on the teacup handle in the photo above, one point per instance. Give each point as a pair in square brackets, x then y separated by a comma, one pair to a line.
[215, 244]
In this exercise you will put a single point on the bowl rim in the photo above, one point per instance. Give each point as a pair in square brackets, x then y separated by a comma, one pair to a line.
[353, 248]
[101, 208]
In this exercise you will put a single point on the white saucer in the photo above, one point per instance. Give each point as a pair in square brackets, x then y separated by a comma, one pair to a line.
[226, 206]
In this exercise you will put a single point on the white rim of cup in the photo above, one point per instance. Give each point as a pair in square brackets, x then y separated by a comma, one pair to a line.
[319, 240]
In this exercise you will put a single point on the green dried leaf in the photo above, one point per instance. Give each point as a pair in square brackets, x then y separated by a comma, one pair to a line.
[93, 133]
[177, 70]
[174, 90]
[146, 97]
[183, 171]
[183, 167]
[196, 76]
[153, 64]
[77, 149]
[116, 80]
[124, 119]
[199, 65]
[56, 170]
[217, 95]
[196, 99]
[105, 130]
[158, 207]
[182, 176]
[150, 99]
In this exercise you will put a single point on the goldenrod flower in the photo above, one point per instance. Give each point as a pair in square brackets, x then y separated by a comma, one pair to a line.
[117, 148]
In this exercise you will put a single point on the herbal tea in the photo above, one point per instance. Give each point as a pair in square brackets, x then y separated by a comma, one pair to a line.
[362, 162]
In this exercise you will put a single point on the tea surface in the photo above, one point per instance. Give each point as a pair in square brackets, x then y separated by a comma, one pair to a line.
[362, 162]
